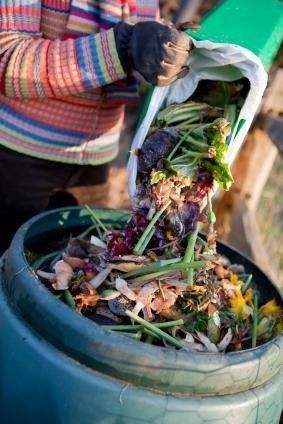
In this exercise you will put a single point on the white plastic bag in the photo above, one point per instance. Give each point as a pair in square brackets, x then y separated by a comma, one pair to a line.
[208, 61]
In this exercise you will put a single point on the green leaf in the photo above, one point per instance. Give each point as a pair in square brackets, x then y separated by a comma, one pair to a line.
[185, 170]
[213, 135]
[221, 173]
[216, 134]
[186, 112]
[213, 331]
[157, 176]
[199, 323]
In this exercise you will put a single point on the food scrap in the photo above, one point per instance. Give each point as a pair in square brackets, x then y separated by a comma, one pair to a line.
[156, 279]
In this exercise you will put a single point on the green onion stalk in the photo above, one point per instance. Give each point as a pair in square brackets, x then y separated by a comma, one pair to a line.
[189, 254]
[136, 336]
[69, 299]
[210, 214]
[97, 222]
[149, 231]
[156, 331]
[209, 154]
[167, 268]
[126, 327]
[151, 334]
[46, 258]
[247, 283]
[183, 137]
[185, 114]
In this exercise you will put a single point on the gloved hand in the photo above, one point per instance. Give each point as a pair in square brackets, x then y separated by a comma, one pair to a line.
[158, 52]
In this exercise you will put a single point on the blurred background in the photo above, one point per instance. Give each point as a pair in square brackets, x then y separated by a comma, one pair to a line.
[250, 215]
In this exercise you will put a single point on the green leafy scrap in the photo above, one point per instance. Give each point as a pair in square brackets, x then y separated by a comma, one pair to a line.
[220, 172]
[157, 176]
[201, 140]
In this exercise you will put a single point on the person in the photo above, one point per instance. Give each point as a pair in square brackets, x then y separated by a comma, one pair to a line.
[66, 74]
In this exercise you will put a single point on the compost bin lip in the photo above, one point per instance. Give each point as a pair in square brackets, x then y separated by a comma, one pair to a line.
[41, 310]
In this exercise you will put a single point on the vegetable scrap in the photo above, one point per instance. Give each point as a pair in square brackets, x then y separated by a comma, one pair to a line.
[156, 280]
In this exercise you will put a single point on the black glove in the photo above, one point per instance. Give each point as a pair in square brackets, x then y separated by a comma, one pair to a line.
[158, 52]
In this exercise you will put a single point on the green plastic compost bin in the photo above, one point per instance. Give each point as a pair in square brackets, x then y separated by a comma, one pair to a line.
[58, 366]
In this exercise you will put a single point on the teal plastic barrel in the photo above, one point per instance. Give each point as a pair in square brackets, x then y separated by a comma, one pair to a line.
[58, 366]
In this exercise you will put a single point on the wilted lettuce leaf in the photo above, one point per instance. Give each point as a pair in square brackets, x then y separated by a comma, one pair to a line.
[216, 134]
[184, 169]
[213, 135]
[220, 171]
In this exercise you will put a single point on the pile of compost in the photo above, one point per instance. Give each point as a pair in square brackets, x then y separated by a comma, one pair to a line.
[156, 279]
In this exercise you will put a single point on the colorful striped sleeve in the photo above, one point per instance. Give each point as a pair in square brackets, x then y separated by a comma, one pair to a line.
[32, 67]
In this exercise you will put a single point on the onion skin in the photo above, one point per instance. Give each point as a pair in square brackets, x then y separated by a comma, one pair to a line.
[63, 273]
[73, 261]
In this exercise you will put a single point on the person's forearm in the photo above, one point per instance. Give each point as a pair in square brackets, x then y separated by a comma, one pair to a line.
[35, 67]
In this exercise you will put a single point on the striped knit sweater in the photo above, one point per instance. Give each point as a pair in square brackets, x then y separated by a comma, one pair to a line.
[62, 87]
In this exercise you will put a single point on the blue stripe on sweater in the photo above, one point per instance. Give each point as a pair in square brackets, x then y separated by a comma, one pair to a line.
[40, 125]
[96, 62]
[82, 64]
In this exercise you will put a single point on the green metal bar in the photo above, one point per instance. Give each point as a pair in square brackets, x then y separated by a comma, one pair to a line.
[254, 24]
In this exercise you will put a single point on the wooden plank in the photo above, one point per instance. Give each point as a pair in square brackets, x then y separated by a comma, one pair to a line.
[245, 235]
[273, 126]
[260, 153]
[273, 98]
[270, 119]
[250, 171]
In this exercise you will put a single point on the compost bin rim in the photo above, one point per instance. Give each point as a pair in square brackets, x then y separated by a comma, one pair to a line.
[37, 295]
